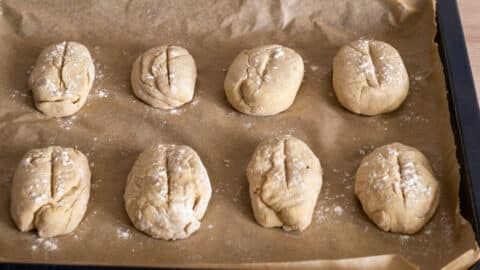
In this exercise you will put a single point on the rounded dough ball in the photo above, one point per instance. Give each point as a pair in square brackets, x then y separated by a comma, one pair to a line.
[164, 77]
[50, 191]
[264, 80]
[285, 178]
[167, 192]
[397, 188]
[62, 79]
[369, 77]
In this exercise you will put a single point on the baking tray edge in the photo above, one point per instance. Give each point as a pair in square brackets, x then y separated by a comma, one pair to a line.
[464, 109]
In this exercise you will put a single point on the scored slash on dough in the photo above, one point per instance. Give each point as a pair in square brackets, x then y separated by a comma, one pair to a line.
[400, 171]
[62, 85]
[258, 72]
[60, 70]
[372, 79]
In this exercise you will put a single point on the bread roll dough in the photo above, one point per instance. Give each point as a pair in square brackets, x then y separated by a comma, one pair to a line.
[50, 191]
[62, 79]
[397, 188]
[264, 80]
[369, 77]
[164, 77]
[285, 178]
[167, 192]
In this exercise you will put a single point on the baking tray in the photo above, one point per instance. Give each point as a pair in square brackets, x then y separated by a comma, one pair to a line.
[464, 110]
[465, 121]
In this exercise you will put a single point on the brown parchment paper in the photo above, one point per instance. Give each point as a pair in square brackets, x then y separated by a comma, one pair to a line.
[114, 127]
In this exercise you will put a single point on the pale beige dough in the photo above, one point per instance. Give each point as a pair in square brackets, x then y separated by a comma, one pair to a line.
[62, 78]
[167, 192]
[264, 80]
[285, 179]
[164, 77]
[50, 191]
[397, 188]
[369, 77]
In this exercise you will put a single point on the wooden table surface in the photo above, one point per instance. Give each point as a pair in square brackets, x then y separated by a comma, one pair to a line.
[469, 12]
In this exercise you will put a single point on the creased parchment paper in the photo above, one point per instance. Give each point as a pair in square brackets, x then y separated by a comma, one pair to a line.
[114, 127]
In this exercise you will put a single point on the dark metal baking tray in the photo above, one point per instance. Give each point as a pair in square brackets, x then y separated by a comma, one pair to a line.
[465, 120]
[464, 110]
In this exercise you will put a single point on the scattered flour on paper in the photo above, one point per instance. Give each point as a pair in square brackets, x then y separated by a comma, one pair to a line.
[366, 149]
[66, 122]
[226, 162]
[99, 68]
[16, 94]
[314, 67]
[325, 213]
[176, 111]
[247, 125]
[100, 93]
[195, 101]
[45, 244]
[123, 233]
[96, 183]
[338, 210]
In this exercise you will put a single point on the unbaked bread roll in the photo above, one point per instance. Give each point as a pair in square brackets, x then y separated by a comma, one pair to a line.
[164, 77]
[167, 192]
[264, 80]
[369, 77]
[285, 178]
[50, 191]
[62, 78]
[397, 188]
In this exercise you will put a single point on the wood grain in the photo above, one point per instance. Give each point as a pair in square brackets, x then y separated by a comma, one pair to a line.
[469, 10]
